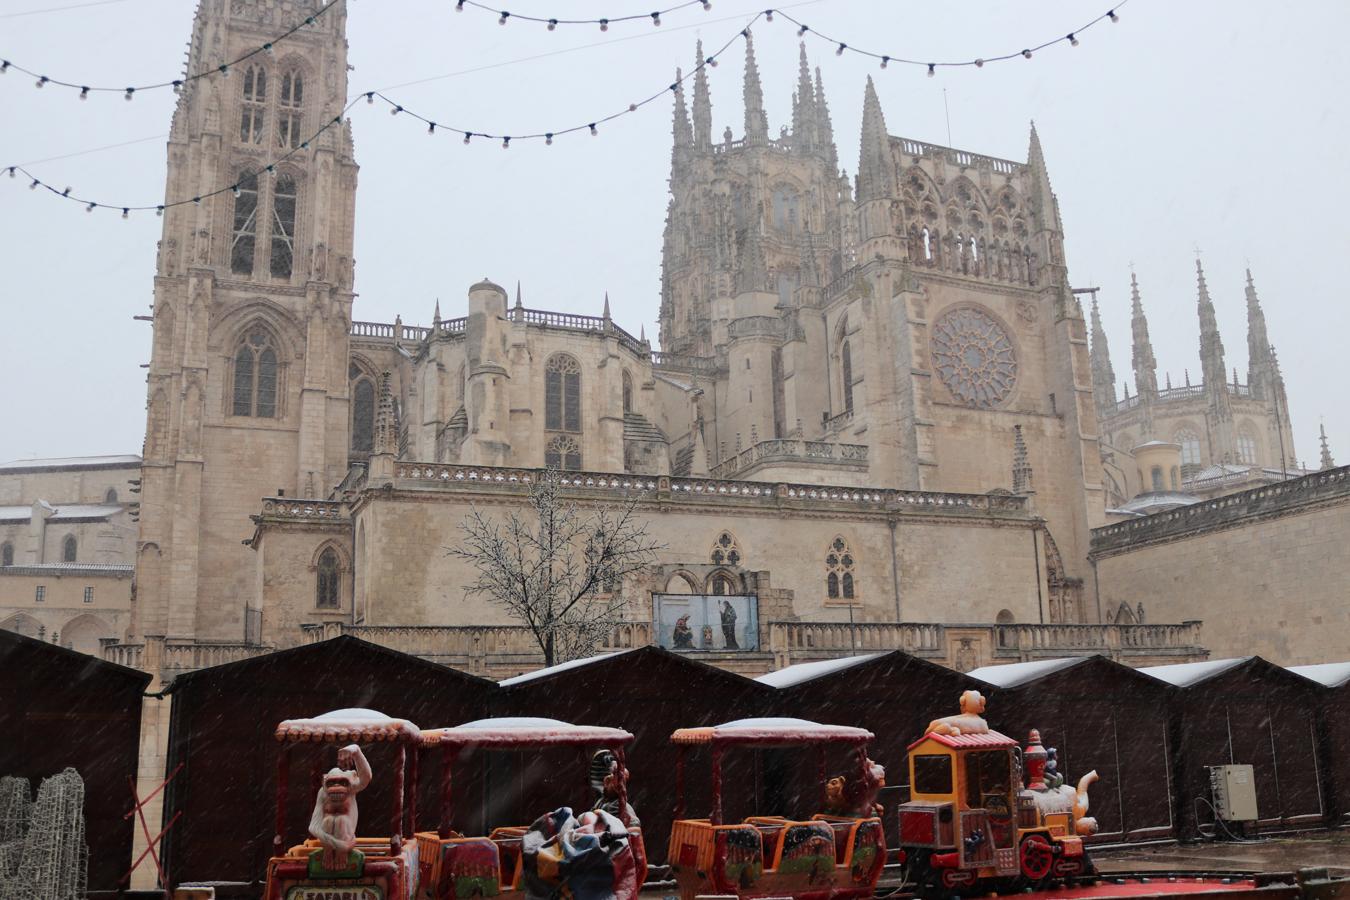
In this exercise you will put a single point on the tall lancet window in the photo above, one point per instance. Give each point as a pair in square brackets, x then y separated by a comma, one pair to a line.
[253, 106]
[283, 226]
[327, 580]
[562, 393]
[255, 376]
[363, 411]
[846, 365]
[289, 110]
[245, 233]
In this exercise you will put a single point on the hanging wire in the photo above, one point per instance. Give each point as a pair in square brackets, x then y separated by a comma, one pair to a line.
[91, 205]
[654, 16]
[841, 47]
[129, 92]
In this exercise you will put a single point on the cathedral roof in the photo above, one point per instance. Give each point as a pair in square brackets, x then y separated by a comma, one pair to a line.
[119, 461]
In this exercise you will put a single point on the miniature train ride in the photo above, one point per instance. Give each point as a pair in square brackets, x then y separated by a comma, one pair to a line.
[985, 815]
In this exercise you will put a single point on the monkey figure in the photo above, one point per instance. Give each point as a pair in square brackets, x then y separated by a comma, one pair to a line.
[334, 821]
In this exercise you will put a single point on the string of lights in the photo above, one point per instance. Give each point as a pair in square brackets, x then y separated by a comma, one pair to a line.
[503, 15]
[127, 210]
[842, 47]
[222, 70]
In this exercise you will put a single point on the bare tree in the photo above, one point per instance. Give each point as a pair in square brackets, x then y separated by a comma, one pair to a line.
[558, 568]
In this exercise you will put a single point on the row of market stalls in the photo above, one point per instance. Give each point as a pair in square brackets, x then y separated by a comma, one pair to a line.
[1149, 733]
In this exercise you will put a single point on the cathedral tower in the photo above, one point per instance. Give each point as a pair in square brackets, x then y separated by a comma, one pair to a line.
[247, 394]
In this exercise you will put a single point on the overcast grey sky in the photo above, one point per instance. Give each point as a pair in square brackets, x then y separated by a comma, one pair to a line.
[1217, 125]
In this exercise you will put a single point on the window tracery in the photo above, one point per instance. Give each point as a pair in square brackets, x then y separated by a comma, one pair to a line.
[726, 551]
[289, 109]
[363, 410]
[562, 393]
[563, 453]
[846, 364]
[283, 226]
[69, 549]
[1246, 448]
[253, 107]
[839, 579]
[255, 376]
[1190, 450]
[245, 230]
[327, 580]
[974, 357]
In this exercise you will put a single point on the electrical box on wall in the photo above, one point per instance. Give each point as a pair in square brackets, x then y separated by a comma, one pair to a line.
[1234, 790]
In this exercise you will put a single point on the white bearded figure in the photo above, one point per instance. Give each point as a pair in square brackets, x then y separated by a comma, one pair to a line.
[334, 821]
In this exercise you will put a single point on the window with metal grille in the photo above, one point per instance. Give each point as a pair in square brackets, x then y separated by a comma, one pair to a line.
[88, 595]
[245, 231]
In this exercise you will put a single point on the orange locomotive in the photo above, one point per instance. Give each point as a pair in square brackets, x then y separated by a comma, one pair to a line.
[971, 820]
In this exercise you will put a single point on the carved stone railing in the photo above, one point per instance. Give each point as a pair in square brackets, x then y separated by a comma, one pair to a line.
[842, 283]
[838, 420]
[757, 326]
[1282, 498]
[696, 365]
[167, 659]
[371, 329]
[451, 327]
[961, 158]
[1047, 640]
[1179, 393]
[304, 510]
[395, 331]
[576, 322]
[1185, 392]
[826, 639]
[129, 655]
[791, 450]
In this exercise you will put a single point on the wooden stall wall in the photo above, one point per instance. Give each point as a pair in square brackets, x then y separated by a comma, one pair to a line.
[60, 709]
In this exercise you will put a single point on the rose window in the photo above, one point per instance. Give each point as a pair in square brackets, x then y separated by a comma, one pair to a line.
[974, 357]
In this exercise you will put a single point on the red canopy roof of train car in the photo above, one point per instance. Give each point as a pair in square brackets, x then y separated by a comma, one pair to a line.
[524, 731]
[985, 739]
[348, 725]
[772, 731]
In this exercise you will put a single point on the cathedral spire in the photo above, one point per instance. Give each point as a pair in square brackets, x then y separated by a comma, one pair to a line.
[436, 316]
[682, 130]
[1327, 461]
[1211, 345]
[804, 120]
[1103, 376]
[1145, 365]
[1046, 205]
[1259, 369]
[702, 104]
[824, 128]
[876, 171]
[756, 121]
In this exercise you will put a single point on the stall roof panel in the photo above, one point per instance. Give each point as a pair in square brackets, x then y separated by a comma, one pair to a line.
[1187, 674]
[772, 730]
[985, 739]
[1329, 674]
[525, 731]
[560, 667]
[1014, 674]
[348, 725]
[793, 675]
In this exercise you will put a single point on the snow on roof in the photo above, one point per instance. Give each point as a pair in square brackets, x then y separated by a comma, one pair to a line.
[560, 667]
[515, 731]
[1187, 674]
[130, 460]
[986, 739]
[68, 569]
[1158, 500]
[790, 675]
[771, 730]
[1014, 674]
[65, 511]
[348, 725]
[1329, 674]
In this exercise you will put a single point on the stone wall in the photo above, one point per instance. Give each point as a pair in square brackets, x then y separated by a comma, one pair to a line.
[62, 614]
[1264, 569]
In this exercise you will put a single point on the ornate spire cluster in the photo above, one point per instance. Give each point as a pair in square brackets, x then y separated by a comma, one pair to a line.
[1260, 364]
[756, 120]
[876, 171]
[1211, 345]
[702, 105]
[1021, 468]
[1103, 375]
[1144, 363]
[1327, 461]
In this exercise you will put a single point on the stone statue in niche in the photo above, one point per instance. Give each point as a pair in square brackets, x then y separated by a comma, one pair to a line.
[319, 268]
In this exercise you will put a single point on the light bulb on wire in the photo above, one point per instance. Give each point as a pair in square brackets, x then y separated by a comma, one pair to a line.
[932, 69]
[1073, 40]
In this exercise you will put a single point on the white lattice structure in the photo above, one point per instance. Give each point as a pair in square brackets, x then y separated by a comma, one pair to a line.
[16, 810]
[53, 858]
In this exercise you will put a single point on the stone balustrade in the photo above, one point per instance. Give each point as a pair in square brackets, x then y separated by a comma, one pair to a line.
[168, 659]
[795, 640]
[792, 450]
[301, 510]
[962, 158]
[693, 365]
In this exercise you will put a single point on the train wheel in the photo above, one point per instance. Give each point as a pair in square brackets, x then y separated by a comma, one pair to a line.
[1035, 857]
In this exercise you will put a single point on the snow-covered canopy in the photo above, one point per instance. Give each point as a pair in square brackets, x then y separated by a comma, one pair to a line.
[792, 675]
[560, 667]
[1329, 674]
[1014, 674]
[772, 731]
[526, 731]
[348, 725]
[1187, 674]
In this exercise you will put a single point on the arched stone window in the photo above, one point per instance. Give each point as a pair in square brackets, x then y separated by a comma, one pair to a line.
[283, 226]
[110, 496]
[328, 580]
[627, 393]
[846, 367]
[1005, 617]
[1190, 450]
[786, 210]
[839, 571]
[69, 549]
[289, 109]
[245, 230]
[725, 550]
[1246, 448]
[1176, 479]
[563, 453]
[1156, 478]
[363, 410]
[253, 106]
[6, 554]
[722, 585]
[255, 376]
[562, 393]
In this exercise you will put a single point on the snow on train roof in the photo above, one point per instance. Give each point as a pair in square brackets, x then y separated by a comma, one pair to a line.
[560, 667]
[1187, 674]
[517, 731]
[771, 731]
[348, 725]
[1013, 674]
[792, 675]
[1329, 674]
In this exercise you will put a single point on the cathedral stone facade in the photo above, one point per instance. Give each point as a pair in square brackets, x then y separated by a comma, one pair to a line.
[872, 419]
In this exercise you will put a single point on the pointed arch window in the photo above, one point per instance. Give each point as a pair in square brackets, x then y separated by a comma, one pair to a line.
[562, 393]
[255, 376]
[69, 549]
[363, 411]
[839, 580]
[846, 366]
[283, 226]
[6, 554]
[110, 496]
[245, 231]
[289, 110]
[722, 585]
[1246, 448]
[1190, 450]
[253, 107]
[627, 393]
[563, 453]
[328, 580]
[726, 551]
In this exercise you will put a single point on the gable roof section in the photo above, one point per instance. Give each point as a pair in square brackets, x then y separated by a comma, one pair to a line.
[12, 644]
